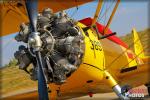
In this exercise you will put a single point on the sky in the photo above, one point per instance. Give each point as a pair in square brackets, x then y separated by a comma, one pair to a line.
[129, 14]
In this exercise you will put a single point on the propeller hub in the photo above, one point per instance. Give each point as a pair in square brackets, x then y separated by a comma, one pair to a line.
[35, 41]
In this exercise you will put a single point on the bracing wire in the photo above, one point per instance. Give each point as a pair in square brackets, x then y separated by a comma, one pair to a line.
[106, 11]
[134, 58]
[101, 12]
[75, 11]
[123, 53]
[105, 15]
[72, 13]
[68, 12]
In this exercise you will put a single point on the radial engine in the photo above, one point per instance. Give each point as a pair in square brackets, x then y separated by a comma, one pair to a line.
[62, 47]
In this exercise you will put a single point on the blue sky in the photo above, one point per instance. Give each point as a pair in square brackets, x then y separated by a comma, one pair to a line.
[129, 14]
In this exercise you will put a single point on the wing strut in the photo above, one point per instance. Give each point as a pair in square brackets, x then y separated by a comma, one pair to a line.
[99, 6]
[111, 17]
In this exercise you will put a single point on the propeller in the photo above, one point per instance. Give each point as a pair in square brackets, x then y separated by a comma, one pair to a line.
[31, 6]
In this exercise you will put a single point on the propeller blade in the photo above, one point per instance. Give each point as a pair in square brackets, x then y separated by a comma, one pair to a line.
[31, 6]
[42, 88]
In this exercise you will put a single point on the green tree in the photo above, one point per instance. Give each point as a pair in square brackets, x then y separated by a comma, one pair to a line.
[13, 62]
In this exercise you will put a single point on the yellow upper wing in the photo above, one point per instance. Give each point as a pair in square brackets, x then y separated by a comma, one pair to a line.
[13, 12]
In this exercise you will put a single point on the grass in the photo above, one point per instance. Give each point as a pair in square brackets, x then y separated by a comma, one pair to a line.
[13, 79]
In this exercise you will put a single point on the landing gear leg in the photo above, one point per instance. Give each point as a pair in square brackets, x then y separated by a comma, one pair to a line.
[115, 86]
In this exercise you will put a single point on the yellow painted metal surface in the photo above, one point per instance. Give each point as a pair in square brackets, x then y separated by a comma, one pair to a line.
[94, 54]
[111, 16]
[109, 79]
[100, 56]
[93, 68]
[138, 48]
[98, 9]
[13, 12]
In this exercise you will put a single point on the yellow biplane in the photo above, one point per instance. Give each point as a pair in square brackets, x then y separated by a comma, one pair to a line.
[71, 58]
